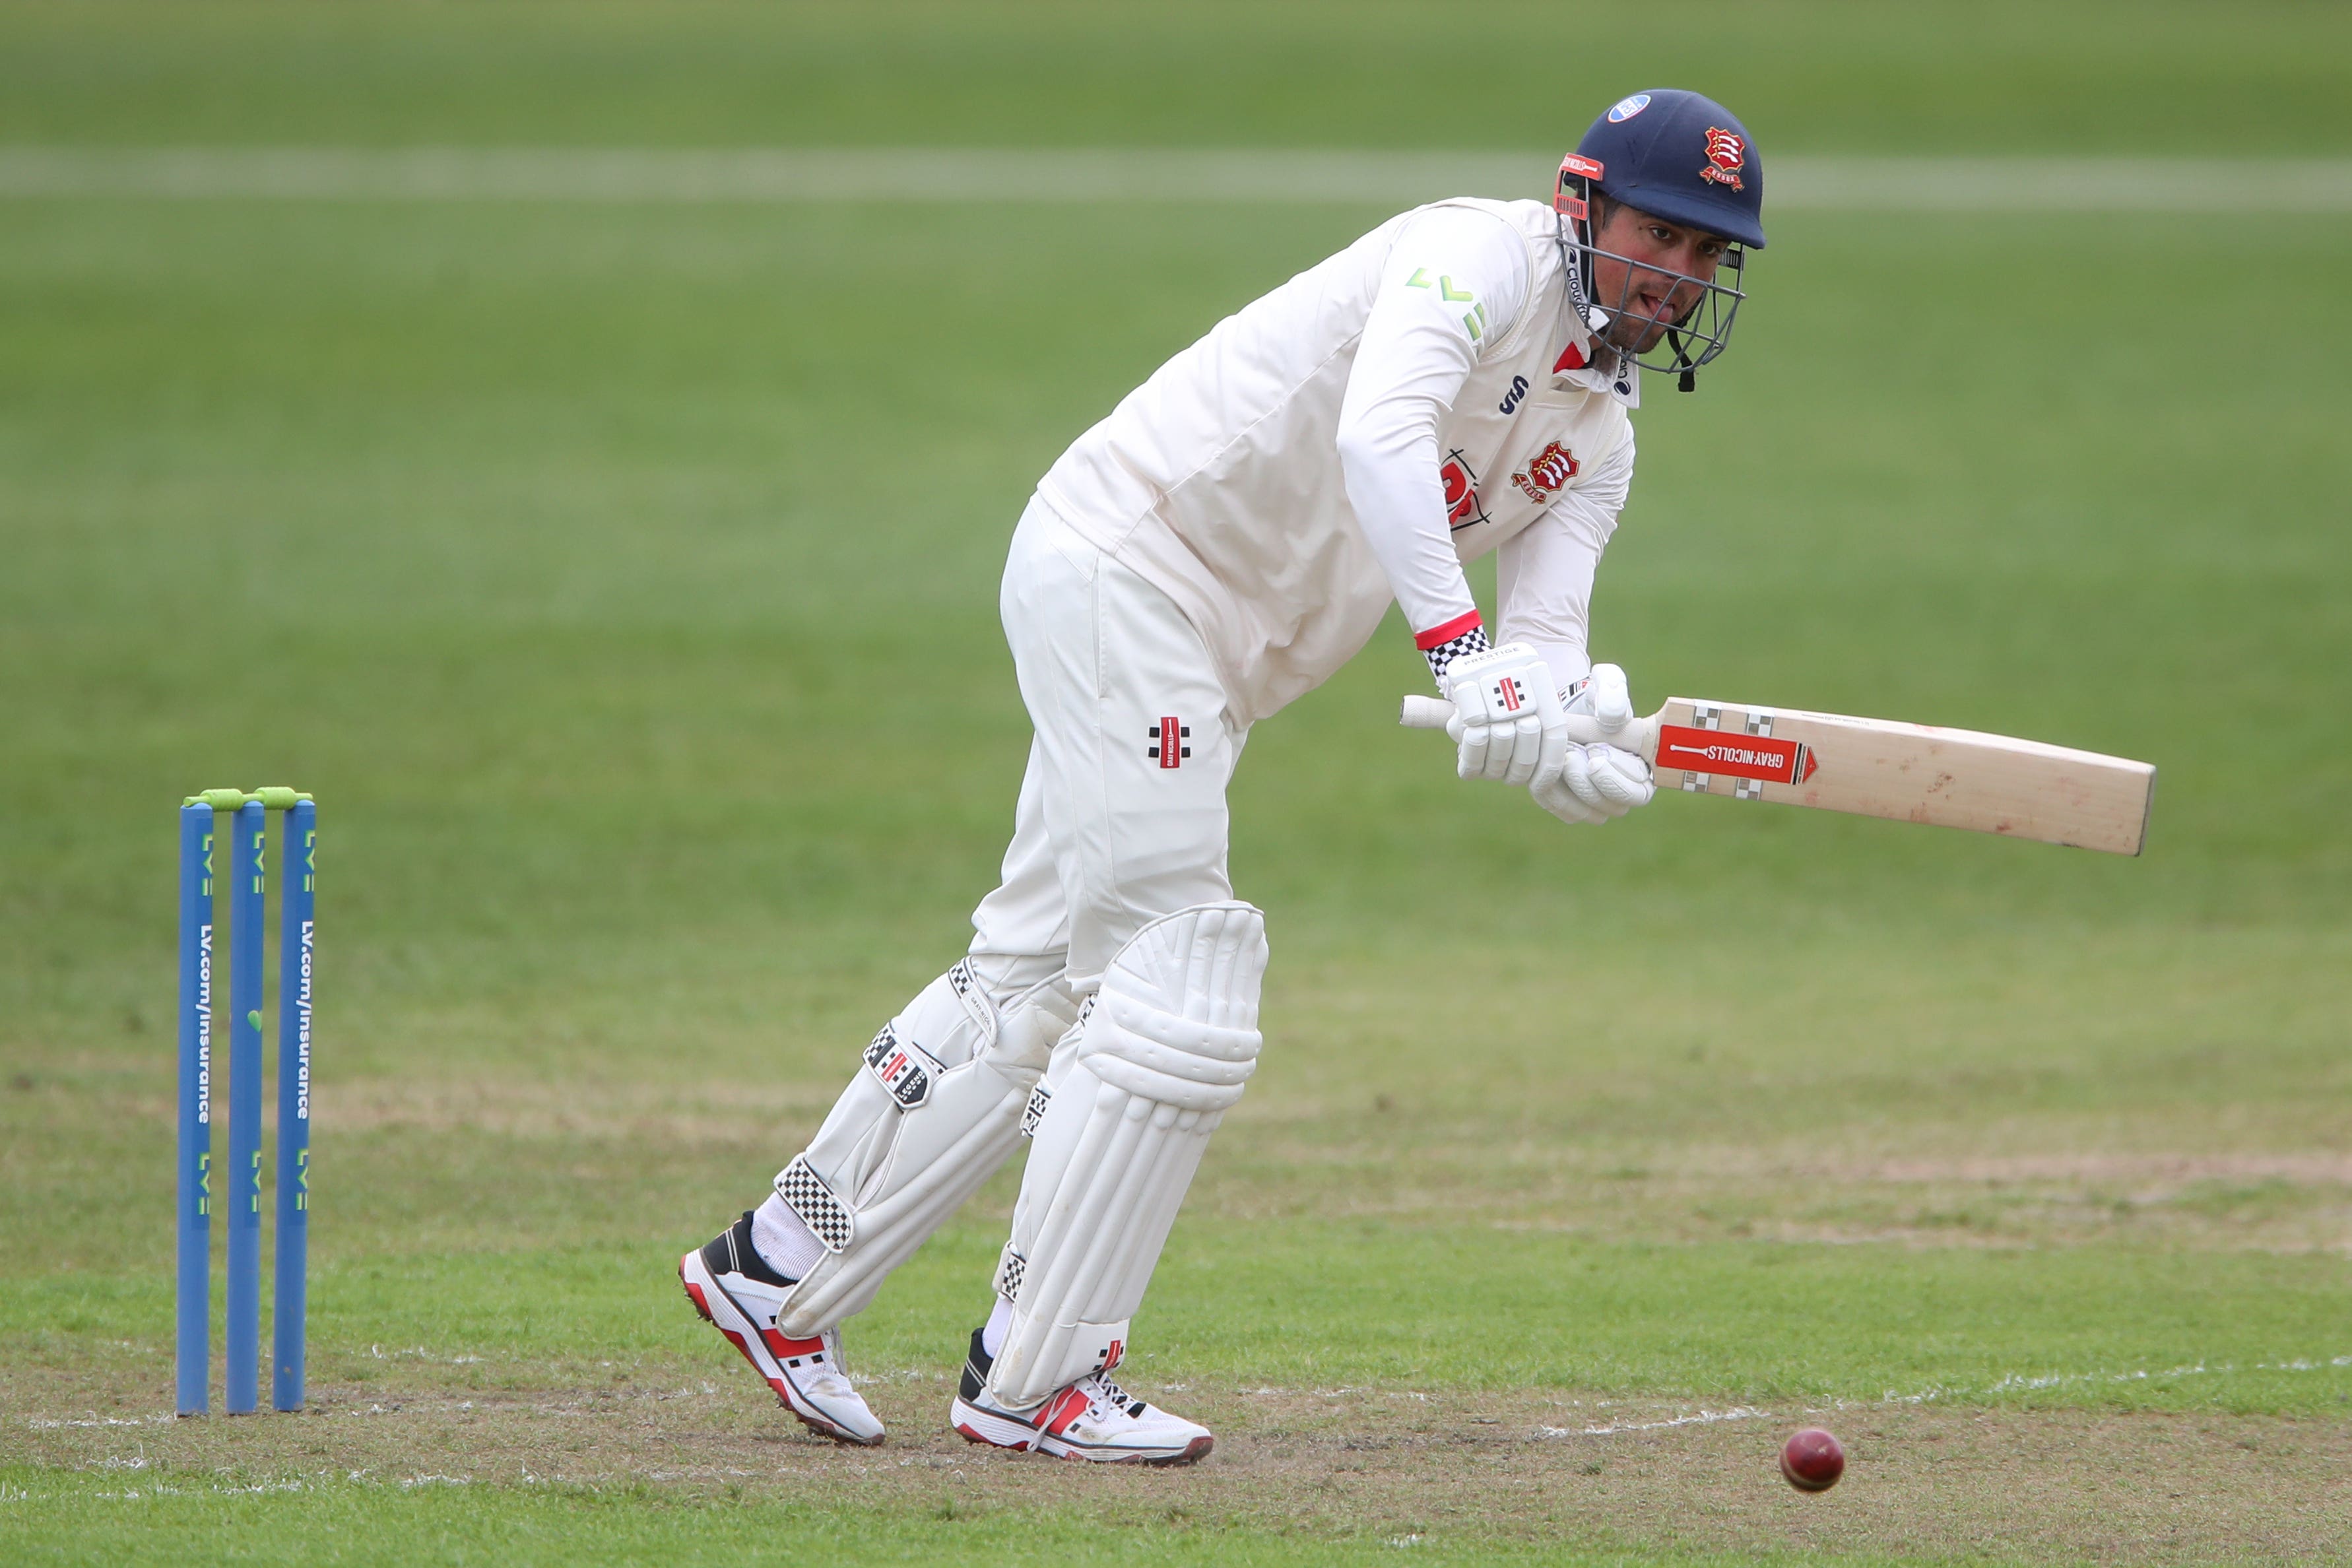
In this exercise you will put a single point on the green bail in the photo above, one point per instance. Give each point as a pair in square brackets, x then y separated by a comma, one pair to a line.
[273, 797]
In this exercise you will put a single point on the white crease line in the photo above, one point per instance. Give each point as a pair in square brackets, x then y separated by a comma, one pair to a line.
[2226, 1369]
[1288, 175]
[2011, 1383]
[1705, 1417]
[2007, 1384]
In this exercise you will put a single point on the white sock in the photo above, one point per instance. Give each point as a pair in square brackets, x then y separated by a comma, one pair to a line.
[999, 1324]
[779, 1236]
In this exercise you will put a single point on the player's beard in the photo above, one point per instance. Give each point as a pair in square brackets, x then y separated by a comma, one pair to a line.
[1631, 328]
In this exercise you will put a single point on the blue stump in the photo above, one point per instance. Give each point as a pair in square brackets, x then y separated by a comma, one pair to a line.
[300, 864]
[243, 1389]
[193, 1337]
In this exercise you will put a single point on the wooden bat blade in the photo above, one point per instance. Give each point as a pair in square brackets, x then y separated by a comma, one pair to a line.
[1882, 767]
[1906, 772]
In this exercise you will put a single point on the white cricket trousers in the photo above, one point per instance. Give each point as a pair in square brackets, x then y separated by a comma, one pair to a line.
[1121, 820]
[1122, 816]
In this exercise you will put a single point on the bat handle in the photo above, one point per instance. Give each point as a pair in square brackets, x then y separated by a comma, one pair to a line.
[1640, 736]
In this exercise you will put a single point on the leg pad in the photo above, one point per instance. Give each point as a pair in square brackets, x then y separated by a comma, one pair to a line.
[1164, 1051]
[934, 1109]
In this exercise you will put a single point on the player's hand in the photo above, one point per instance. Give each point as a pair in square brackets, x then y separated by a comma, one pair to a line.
[1507, 722]
[1598, 782]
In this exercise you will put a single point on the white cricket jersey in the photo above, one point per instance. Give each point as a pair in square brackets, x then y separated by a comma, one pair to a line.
[1413, 403]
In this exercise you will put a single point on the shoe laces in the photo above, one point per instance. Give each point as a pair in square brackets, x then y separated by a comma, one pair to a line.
[1101, 1390]
[831, 1372]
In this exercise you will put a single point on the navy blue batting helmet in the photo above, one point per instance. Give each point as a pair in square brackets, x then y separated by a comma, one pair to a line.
[1682, 157]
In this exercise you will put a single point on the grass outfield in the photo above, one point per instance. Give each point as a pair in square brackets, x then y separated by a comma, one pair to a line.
[537, 541]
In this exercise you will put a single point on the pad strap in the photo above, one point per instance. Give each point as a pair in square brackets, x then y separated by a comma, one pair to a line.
[932, 1110]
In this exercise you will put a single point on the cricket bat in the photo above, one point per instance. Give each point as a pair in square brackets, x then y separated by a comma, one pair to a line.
[1879, 767]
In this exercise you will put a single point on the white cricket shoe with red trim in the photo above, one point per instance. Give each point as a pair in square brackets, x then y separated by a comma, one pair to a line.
[738, 1294]
[1093, 1418]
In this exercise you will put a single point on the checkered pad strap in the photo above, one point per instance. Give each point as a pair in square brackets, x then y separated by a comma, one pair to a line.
[1462, 636]
[965, 983]
[1009, 1271]
[805, 1193]
[1040, 1096]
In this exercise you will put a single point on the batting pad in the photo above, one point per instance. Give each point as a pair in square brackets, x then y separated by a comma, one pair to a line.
[934, 1109]
[1166, 1049]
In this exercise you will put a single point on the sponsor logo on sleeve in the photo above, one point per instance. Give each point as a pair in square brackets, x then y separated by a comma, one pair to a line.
[1474, 320]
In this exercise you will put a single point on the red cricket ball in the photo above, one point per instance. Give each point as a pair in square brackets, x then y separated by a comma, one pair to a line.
[1811, 1460]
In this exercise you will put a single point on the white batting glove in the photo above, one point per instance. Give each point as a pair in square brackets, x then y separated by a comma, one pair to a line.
[1507, 722]
[1597, 781]
[1607, 780]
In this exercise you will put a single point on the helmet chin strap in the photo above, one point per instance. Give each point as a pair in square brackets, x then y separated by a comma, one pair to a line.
[1687, 379]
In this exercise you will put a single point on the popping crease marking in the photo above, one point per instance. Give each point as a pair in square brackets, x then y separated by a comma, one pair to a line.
[2008, 1383]
[2054, 1380]
[1705, 1417]
[2015, 1381]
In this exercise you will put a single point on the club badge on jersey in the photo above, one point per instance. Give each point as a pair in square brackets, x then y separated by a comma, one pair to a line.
[1547, 473]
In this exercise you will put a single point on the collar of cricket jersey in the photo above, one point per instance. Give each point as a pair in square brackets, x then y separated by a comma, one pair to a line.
[1585, 364]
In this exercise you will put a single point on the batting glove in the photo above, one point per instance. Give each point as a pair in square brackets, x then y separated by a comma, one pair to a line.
[1597, 781]
[1507, 724]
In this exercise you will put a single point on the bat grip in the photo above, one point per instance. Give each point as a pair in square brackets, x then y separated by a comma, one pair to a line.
[1641, 736]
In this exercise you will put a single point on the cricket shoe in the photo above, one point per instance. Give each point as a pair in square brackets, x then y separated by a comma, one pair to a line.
[1093, 1418]
[738, 1294]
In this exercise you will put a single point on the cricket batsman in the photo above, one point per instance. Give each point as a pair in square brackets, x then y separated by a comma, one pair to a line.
[1458, 381]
